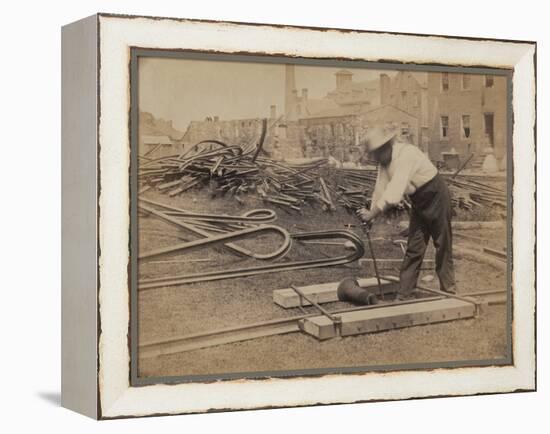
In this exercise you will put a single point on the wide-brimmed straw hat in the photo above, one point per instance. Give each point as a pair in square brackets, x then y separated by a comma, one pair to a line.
[377, 137]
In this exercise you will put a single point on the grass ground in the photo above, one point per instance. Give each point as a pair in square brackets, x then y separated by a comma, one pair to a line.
[194, 308]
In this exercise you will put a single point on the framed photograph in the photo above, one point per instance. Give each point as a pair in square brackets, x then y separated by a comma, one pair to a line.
[261, 216]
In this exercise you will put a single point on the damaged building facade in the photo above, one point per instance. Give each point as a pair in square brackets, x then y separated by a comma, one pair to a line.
[467, 113]
[439, 112]
[335, 124]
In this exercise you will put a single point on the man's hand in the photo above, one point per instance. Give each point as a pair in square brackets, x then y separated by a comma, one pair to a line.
[366, 215]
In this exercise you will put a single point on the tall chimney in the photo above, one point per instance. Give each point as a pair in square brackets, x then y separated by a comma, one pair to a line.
[384, 89]
[272, 111]
[290, 91]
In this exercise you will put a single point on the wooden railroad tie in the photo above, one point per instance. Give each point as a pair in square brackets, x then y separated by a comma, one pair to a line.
[326, 292]
[388, 318]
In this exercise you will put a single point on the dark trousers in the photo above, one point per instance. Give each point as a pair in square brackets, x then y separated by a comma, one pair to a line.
[430, 218]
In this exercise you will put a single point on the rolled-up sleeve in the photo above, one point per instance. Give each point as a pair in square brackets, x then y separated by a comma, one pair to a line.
[381, 183]
[395, 189]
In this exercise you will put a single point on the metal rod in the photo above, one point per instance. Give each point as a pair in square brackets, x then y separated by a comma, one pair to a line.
[334, 319]
[482, 293]
[262, 138]
[367, 232]
[462, 166]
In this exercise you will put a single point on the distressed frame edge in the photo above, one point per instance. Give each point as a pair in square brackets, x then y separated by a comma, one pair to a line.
[317, 28]
[528, 381]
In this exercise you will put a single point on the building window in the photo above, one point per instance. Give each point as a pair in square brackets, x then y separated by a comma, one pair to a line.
[416, 99]
[466, 126]
[489, 81]
[489, 127]
[403, 96]
[405, 130]
[465, 81]
[444, 81]
[444, 127]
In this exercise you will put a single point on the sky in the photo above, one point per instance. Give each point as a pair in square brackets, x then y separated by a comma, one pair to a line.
[183, 90]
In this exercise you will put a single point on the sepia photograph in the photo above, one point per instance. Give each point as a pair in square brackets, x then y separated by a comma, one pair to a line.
[294, 217]
[259, 216]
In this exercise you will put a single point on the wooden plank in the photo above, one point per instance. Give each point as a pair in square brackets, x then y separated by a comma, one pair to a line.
[325, 292]
[388, 318]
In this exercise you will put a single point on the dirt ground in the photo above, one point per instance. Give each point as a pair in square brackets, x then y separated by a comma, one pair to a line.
[174, 311]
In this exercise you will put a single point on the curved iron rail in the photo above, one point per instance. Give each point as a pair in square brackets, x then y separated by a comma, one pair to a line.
[224, 238]
[358, 252]
[260, 215]
[190, 226]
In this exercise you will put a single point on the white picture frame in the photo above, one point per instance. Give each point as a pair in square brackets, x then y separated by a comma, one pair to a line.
[96, 218]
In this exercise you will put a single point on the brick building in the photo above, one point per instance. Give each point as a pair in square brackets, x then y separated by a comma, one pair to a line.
[281, 137]
[157, 134]
[337, 132]
[436, 111]
[334, 124]
[408, 91]
[346, 97]
[467, 112]
[158, 146]
[235, 131]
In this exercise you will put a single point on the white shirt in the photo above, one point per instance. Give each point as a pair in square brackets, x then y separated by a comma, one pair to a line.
[408, 170]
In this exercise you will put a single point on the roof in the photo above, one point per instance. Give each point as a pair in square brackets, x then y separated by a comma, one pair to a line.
[387, 106]
[367, 90]
[359, 85]
[333, 112]
[314, 106]
[351, 109]
[366, 84]
[151, 126]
